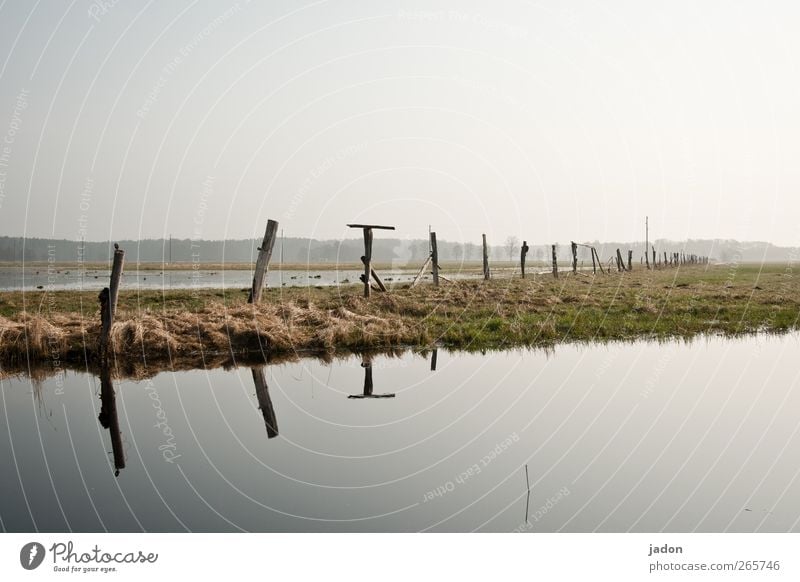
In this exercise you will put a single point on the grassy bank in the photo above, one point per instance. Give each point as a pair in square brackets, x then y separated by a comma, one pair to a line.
[193, 325]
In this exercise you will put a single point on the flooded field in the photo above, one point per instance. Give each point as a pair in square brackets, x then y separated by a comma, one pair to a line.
[74, 279]
[644, 436]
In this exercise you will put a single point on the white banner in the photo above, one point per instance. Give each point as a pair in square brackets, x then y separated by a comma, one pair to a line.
[384, 557]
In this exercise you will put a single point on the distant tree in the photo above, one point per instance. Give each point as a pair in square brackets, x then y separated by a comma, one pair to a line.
[512, 242]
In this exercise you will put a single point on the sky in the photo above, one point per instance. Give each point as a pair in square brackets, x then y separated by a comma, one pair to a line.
[549, 121]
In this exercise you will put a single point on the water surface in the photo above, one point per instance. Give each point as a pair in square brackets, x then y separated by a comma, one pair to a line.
[616, 437]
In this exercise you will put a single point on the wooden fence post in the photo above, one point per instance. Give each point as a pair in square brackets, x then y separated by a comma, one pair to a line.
[522, 254]
[574, 257]
[108, 302]
[555, 262]
[116, 276]
[367, 260]
[485, 259]
[594, 266]
[105, 323]
[435, 259]
[620, 264]
[630, 260]
[264, 255]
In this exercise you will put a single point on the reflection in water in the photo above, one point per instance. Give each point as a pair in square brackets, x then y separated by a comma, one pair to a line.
[108, 418]
[367, 365]
[434, 355]
[511, 441]
[528, 495]
[265, 402]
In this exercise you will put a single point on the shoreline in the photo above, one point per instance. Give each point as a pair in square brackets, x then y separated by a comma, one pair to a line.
[184, 327]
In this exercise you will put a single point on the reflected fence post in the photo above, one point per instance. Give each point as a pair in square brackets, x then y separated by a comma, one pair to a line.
[109, 419]
[265, 402]
[366, 363]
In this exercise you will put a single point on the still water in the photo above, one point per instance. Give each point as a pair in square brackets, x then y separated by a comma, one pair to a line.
[641, 436]
[31, 278]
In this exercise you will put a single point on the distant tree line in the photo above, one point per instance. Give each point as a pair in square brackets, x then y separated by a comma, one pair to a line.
[401, 252]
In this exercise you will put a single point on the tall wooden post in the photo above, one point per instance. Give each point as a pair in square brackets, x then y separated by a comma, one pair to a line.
[555, 262]
[620, 264]
[105, 323]
[435, 259]
[485, 259]
[522, 254]
[116, 275]
[108, 302]
[264, 255]
[594, 266]
[574, 257]
[367, 260]
[630, 260]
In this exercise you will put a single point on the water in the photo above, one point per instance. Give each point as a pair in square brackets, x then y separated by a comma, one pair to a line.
[32, 278]
[616, 437]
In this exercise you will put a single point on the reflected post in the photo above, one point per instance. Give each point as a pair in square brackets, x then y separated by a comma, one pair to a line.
[109, 419]
[366, 363]
[265, 402]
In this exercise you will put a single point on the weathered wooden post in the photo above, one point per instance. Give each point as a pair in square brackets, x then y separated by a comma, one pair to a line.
[116, 275]
[105, 323]
[522, 254]
[378, 281]
[555, 262]
[594, 267]
[265, 402]
[435, 259]
[434, 356]
[264, 255]
[620, 264]
[599, 262]
[367, 258]
[108, 302]
[485, 259]
[665, 259]
[630, 260]
[108, 417]
[574, 249]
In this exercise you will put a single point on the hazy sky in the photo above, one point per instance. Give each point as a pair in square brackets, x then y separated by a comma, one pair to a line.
[547, 120]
